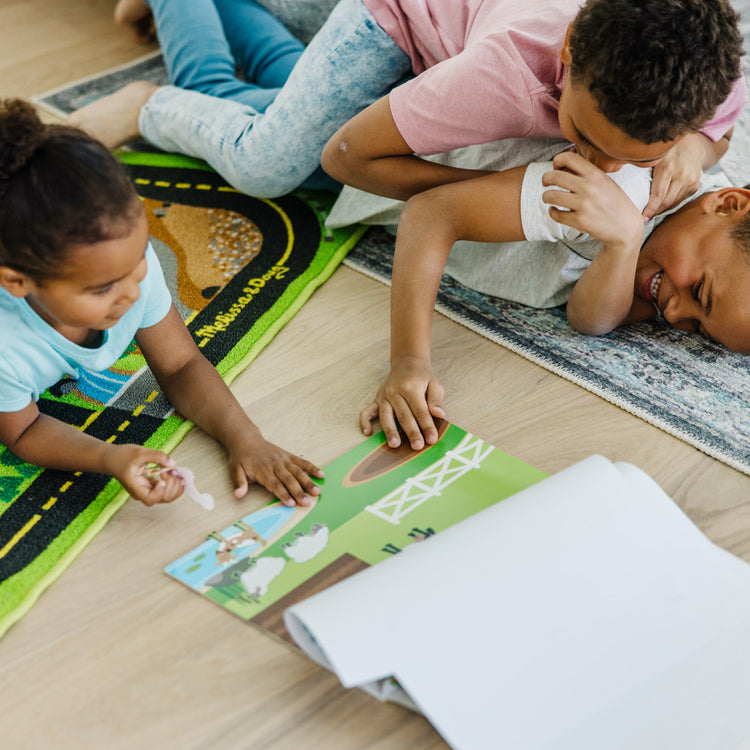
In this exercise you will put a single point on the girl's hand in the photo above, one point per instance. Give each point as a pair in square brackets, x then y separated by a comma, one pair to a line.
[412, 395]
[288, 477]
[593, 202]
[145, 474]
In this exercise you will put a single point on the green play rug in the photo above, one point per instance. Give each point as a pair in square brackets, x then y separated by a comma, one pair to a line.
[238, 268]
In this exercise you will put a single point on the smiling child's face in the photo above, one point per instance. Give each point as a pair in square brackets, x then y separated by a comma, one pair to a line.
[692, 269]
[99, 285]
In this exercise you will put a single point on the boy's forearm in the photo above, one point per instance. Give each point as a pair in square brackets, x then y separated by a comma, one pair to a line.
[399, 177]
[423, 243]
[602, 298]
[486, 209]
[369, 153]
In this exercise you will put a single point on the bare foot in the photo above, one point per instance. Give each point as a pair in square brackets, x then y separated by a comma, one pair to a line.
[113, 119]
[135, 17]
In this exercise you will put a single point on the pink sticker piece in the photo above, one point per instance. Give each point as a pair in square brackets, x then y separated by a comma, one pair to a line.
[202, 498]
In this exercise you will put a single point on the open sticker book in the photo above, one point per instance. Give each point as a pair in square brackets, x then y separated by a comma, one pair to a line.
[375, 501]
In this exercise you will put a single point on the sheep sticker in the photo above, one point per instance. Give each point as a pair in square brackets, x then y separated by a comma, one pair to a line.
[306, 546]
[258, 576]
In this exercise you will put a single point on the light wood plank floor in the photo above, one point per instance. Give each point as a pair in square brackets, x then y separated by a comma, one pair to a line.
[115, 654]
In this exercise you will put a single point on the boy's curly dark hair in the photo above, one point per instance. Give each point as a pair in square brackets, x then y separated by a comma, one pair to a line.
[657, 69]
[58, 188]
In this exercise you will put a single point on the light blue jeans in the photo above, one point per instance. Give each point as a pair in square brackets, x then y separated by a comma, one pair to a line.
[206, 43]
[264, 140]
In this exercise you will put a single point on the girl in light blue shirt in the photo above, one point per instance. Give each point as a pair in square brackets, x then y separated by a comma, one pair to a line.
[78, 281]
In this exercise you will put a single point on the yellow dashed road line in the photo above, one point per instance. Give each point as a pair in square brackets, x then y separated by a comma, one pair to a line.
[68, 484]
[19, 535]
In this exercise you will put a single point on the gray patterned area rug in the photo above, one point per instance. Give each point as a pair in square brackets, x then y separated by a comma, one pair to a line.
[693, 389]
[64, 100]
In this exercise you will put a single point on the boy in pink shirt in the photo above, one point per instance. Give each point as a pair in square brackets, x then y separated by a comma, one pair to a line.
[625, 81]
[506, 75]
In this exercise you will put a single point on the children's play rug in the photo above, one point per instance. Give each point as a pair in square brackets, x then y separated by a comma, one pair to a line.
[238, 268]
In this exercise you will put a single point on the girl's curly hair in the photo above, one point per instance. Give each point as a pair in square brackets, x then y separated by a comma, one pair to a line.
[58, 188]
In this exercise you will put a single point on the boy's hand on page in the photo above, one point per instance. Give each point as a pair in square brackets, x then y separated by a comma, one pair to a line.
[591, 202]
[411, 395]
[677, 176]
[145, 474]
[288, 477]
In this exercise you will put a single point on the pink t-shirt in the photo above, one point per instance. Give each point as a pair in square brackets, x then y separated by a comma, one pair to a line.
[488, 70]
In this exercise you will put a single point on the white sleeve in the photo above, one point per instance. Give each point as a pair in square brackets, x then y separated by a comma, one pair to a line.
[536, 221]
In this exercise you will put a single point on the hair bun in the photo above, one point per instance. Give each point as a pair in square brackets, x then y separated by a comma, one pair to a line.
[21, 134]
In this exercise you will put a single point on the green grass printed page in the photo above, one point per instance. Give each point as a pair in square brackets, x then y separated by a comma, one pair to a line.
[374, 502]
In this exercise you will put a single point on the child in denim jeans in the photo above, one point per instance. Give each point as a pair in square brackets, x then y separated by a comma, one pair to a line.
[639, 82]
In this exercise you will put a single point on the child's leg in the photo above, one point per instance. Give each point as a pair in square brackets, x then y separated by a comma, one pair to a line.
[349, 64]
[198, 55]
[262, 47]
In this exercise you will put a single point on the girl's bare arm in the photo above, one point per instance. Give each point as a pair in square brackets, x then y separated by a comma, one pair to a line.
[51, 444]
[197, 391]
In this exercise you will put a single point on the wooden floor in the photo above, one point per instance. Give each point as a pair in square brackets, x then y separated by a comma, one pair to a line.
[115, 654]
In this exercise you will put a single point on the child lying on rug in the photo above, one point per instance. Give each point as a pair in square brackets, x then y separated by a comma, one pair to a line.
[78, 280]
[626, 82]
[693, 269]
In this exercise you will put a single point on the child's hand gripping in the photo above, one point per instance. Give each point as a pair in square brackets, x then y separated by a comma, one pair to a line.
[412, 395]
[254, 459]
[146, 474]
[591, 202]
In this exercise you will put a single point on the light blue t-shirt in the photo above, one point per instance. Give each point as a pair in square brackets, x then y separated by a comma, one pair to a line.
[35, 356]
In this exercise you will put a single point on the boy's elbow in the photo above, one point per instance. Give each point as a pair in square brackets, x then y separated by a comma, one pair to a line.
[338, 160]
[588, 326]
